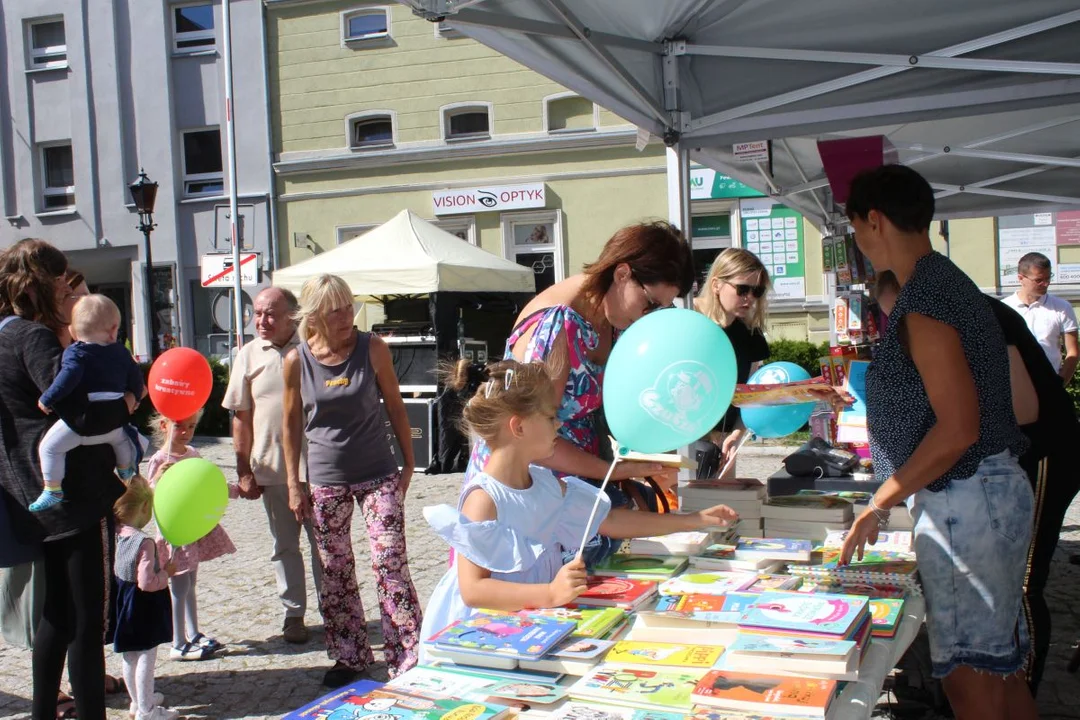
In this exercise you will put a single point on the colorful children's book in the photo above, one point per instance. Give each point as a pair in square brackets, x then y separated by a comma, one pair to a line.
[814, 614]
[434, 682]
[663, 690]
[617, 592]
[718, 608]
[657, 655]
[707, 583]
[574, 656]
[519, 636]
[587, 711]
[590, 622]
[894, 540]
[780, 655]
[873, 560]
[348, 704]
[325, 705]
[767, 581]
[885, 614]
[681, 628]
[640, 567]
[766, 693]
[773, 549]
[722, 557]
[870, 590]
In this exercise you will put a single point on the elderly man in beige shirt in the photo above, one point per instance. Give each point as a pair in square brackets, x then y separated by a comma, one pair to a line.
[255, 393]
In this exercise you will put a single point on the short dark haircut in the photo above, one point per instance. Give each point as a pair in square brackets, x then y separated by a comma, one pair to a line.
[1033, 261]
[897, 192]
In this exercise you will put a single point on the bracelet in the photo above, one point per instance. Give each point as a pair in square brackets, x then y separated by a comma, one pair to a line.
[882, 515]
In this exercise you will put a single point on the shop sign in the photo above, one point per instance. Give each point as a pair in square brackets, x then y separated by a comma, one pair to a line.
[751, 152]
[775, 234]
[707, 184]
[492, 198]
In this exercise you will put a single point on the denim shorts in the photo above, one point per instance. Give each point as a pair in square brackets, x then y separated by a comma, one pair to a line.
[971, 542]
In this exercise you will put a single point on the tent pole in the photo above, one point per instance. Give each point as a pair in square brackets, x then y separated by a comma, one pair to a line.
[679, 211]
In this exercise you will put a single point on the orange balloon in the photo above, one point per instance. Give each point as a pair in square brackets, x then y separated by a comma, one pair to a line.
[180, 382]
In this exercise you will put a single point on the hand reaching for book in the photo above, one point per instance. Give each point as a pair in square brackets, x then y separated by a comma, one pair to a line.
[718, 515]
[568, 583]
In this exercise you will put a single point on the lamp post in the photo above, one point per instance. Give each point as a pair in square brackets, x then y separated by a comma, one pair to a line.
[143, 194]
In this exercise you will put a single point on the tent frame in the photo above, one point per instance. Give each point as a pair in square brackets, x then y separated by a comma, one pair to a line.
[773, 117]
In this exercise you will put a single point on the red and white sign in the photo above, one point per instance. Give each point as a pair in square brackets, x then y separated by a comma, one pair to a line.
[756, 151]
[216, 270]
[493, 198]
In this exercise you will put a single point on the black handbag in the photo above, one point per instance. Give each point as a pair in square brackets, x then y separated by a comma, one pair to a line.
[818, 459]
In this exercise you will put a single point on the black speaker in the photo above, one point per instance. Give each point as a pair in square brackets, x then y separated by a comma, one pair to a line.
[421, 412]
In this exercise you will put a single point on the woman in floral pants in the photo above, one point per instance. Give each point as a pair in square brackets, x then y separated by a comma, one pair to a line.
[333, 383]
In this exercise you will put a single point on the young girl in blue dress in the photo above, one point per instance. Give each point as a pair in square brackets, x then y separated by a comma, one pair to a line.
[514, 519]
[143, 608]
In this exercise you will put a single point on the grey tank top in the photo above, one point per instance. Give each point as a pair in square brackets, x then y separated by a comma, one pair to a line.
[343, 419]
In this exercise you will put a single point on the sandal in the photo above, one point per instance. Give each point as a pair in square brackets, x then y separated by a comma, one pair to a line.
[114, 685]
[65, 708]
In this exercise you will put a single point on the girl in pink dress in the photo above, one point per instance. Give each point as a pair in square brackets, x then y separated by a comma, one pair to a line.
[188, 642]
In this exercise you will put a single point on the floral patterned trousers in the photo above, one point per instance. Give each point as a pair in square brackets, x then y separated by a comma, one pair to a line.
[383, 507]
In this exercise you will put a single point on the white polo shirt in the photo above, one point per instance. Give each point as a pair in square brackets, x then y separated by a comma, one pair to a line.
[1048, 318]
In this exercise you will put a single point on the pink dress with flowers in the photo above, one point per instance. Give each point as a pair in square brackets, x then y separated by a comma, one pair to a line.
[216, 544]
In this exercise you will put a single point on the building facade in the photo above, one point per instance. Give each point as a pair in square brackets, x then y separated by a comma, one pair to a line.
[93, 91]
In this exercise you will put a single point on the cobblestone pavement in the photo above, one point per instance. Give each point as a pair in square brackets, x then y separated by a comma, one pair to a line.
[260, 676]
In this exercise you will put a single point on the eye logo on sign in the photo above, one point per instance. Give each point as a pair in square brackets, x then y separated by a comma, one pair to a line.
[487, 199]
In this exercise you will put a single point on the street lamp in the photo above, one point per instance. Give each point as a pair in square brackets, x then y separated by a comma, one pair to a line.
[143, 194]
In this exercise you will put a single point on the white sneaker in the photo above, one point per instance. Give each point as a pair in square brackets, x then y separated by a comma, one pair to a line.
[159, 713]
[157, 699]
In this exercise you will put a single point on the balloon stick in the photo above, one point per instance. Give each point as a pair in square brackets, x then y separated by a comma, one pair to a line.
[595, 507]
[738, 446]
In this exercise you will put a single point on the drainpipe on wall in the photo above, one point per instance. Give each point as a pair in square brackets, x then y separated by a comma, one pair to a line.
[271, 188]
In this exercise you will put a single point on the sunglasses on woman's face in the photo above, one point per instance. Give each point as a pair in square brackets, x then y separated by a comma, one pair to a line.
[650, 303]
[743, 290]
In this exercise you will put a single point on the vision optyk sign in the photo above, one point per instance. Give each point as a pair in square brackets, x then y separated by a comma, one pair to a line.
[492, 198]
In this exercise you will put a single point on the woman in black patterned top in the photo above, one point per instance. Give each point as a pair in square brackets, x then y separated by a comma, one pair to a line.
[944, 438]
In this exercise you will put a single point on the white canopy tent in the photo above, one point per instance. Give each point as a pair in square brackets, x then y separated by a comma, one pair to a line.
[983, 96]
[407, 255]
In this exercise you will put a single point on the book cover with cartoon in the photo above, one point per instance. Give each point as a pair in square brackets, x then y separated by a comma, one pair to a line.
[660, 654]
[522, 636]
[666, 690]
[615, 591]
[717, 582]
[654, 567]
[589, 621]
[389, 705]
[766, 582]
[817, 614]
[780, 548]
[885, 615]
[744, 691]
[785, 645]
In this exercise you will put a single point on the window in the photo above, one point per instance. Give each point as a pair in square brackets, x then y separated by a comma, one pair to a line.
[534, 240]
[202, 162]
[48, 44]
[463, 226]
[467, 122]
[58, 177]
[193, 28]
[346, 233]
[365, 26]
[371, 130]
[569, 114]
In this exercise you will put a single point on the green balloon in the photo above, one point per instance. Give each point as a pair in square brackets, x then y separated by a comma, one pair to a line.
[189, 500]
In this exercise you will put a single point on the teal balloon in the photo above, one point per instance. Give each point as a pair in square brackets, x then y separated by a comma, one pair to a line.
[189, 500]
[780, 420]
[668, 381]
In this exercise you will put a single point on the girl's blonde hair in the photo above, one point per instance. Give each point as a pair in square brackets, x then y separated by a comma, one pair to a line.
[319, 296]
[136, 506]
[512, 388]
[161, 434]
[729, 264]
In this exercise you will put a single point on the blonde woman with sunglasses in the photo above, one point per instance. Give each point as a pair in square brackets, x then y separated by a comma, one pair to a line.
[734, 297]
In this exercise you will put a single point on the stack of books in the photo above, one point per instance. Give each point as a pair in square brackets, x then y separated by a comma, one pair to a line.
[742, 496]
[488, 638]
[717, 582]
[722, 557]
[676, 544]
[620, 592]
[883, 568]
[805, 516]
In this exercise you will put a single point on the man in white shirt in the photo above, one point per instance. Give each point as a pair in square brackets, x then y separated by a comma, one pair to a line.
[1050, 319]
[256, 391]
